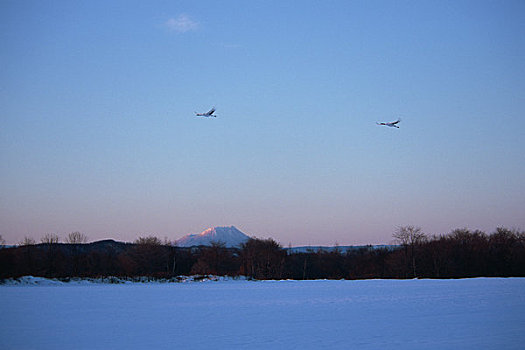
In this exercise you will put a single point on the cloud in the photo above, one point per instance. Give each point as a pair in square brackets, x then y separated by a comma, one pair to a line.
[182, 24]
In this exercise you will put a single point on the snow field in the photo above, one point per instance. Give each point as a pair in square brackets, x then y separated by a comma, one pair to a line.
[477, 313]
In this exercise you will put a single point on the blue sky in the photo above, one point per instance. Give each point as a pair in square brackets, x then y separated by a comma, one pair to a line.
[98, 133]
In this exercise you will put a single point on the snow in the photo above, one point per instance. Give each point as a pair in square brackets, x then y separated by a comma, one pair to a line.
[230, 236]
[41, 281]
[481, 313]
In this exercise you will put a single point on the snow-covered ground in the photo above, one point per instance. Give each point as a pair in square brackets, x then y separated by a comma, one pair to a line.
[481, 313]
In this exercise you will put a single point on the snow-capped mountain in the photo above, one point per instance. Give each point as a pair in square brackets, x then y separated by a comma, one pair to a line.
[230, 236]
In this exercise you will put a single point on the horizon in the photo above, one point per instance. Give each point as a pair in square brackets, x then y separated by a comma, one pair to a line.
[99, 133]
[167, 240]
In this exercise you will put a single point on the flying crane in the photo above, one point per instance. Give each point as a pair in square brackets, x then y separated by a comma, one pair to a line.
[391, 124]
[207, 114]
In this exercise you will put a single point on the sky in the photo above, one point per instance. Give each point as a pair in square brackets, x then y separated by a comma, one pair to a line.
[98, 132]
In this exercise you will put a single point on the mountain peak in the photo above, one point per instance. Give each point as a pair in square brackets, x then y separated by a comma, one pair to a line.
[229, 235]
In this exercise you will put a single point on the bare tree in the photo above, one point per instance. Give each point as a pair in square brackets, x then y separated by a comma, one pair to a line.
[27, 241]
[150, 255]
[76, 238]
[410, 237]
[150, 240]
[262, 259]
[2, 240]
[50, 238]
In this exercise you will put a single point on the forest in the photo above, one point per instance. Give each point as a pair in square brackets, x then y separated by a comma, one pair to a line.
[458, 254]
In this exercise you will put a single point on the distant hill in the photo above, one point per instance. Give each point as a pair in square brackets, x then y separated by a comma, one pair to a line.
[230, 236]
[105, 246]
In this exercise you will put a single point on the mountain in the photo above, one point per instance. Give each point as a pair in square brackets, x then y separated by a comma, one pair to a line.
[230, 236]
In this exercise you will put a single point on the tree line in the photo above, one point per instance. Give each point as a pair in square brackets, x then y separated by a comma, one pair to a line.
[461, 253]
